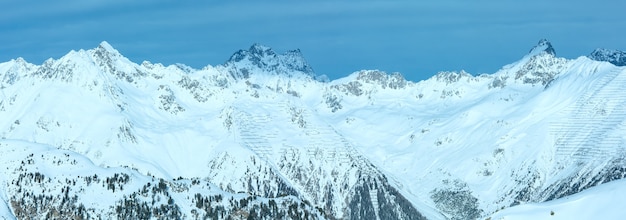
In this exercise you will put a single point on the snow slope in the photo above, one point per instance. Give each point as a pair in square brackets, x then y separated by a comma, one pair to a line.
[263, 128]
[598, 202]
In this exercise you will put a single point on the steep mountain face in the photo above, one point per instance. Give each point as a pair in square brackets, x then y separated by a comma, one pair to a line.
[616, 57]
[262, 59]
[261, 136]
[544, 46]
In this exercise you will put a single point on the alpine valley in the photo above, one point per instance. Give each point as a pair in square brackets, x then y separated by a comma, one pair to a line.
[93, 135]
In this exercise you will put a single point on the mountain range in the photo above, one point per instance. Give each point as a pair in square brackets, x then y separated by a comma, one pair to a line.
[94, 135]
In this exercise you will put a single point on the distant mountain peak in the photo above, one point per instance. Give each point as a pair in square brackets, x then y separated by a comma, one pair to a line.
[106, 53]
[616, 57]
[105, 46]
[255, 52]
[261, 50]
[264, 58]
[543, 46]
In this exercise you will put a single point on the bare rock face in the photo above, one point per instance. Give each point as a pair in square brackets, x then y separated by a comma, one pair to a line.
[262, 59]
[544, 46]
[616, 57]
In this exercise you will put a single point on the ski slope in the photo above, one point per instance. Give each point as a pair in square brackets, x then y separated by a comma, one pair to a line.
[598, 202]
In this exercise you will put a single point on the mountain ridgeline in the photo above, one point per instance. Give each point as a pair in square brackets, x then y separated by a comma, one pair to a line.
[262, 136]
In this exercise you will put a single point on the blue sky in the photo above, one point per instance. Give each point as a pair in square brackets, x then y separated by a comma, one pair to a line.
[415, 38]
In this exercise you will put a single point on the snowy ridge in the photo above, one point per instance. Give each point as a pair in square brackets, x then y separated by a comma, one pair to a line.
[261, 136]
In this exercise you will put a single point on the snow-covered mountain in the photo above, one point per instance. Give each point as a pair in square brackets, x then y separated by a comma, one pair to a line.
[95, 135]
[616, 57]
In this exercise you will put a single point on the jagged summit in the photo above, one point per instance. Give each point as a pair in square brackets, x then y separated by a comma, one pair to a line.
[263, 58]
[543, 46]
[105, 46]
[616, 57]
[539, 66]
[261, 50]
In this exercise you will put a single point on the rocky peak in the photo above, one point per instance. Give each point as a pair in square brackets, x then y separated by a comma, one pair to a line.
[261, 50]
[393, 81]
[451, 77]
[368, 81]
[105, 49]
[105, 54]
[17, 68]
[111, 61]
[260, 58]
[616, 57]
[255, 53]
[541, 66]
[21, 65]
[20, 60]
[544, 46]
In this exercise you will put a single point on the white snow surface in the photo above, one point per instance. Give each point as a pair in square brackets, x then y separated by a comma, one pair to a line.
[488, 141]
[599, 202]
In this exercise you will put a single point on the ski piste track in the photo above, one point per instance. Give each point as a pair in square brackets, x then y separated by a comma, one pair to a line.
[325, 143]
[587, 130]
